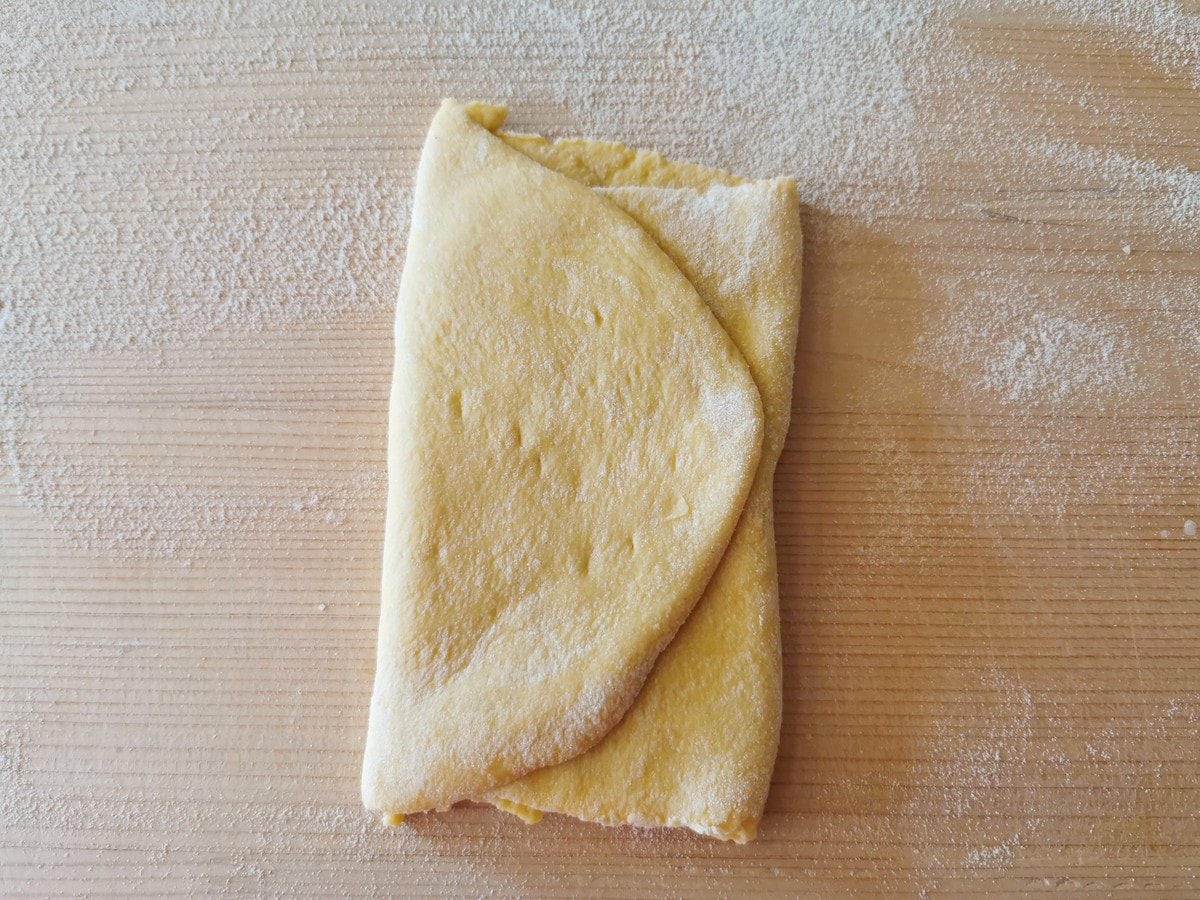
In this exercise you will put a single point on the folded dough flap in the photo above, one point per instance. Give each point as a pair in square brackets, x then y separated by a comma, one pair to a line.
[698, 745]
[572, 437]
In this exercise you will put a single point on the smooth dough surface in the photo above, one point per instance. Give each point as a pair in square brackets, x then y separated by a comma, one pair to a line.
[572, 438]
[698, 745]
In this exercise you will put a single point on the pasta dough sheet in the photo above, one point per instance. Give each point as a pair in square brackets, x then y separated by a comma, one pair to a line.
[592, 379]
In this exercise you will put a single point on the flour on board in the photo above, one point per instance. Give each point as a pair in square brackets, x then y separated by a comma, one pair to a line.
[187, 186]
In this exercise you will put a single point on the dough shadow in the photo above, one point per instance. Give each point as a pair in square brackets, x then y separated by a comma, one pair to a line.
[836, 506]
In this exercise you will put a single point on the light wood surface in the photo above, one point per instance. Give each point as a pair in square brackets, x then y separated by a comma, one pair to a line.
[992, 653]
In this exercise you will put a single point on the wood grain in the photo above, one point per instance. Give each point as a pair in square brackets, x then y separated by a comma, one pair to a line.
[992, 657]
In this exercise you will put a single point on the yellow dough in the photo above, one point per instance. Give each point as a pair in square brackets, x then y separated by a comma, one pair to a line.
[572, 438]
[697, 747]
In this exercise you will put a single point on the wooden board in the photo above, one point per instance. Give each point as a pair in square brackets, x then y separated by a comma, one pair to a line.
[991, 599]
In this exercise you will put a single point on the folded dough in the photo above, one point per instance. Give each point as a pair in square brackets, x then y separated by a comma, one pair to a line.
[698, 745]
[572, 438]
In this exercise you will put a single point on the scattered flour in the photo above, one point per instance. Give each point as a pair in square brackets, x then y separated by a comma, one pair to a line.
[1168, 33]
[1159, 196]
[1016, 759]
[228, 175]
[1051, 358]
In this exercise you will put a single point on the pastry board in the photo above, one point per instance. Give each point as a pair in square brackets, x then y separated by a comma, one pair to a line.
[988, 559]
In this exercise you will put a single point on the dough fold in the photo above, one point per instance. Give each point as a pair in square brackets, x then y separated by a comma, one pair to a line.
[572, 439]
[698, 745]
